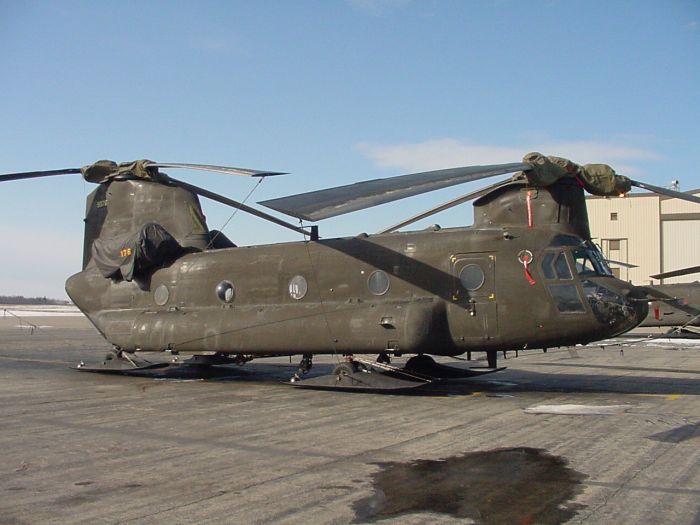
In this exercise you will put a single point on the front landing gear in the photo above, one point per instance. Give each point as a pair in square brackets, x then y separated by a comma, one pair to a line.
[384, 358]
[346, 369]
[426, 365]
[492, 358]
[358, 373]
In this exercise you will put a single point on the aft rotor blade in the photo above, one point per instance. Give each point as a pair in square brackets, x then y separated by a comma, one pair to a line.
[667, 192]
[322, 204]
[676, 273]
[219, 169]
[37, 174]
[446, 206]
[620, 263]
[235, 204]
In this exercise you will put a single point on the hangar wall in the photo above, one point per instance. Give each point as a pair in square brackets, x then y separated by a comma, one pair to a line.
[654, 232]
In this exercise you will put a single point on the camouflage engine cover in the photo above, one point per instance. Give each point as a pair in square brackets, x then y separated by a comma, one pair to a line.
[119, 209]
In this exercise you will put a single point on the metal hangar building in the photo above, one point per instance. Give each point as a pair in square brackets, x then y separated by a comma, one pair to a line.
[654, 232]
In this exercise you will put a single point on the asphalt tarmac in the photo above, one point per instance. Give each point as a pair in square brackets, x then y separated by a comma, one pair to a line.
[580, 435]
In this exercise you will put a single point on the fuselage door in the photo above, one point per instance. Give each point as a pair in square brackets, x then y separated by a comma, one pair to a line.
[472, 313]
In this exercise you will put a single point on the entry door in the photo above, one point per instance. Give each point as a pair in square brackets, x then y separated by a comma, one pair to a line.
[472, 312]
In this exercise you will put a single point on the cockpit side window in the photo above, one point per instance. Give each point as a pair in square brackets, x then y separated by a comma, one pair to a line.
[547, 269]
[562, 267]
[555, 266]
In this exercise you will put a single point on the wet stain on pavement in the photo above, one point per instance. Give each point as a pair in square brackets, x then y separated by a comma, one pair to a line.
[511, 485]
[677, 435]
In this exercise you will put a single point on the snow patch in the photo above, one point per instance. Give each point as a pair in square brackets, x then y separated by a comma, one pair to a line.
[39, 311]
[578, 410]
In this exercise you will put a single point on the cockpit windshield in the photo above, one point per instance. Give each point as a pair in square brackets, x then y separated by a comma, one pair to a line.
[590, 262]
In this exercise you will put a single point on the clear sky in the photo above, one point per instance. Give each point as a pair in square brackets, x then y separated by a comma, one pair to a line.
[333, 91]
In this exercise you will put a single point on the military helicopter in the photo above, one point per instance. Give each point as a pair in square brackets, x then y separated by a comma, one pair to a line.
[675, 305]
[525, 275]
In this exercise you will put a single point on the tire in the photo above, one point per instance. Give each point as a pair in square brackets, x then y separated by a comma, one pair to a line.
[345, 369]
[420, 361]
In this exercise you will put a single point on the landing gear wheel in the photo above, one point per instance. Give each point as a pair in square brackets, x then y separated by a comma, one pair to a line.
[306, 364]
[346, 369]
[384, 359]
[419, 362]
[112, 355]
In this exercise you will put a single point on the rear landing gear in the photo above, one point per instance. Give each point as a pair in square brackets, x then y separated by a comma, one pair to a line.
[117, 355]
[117, 361]
[113, 354]
[304, 366]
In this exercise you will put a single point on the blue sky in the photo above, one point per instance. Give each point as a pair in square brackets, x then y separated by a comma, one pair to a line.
[333, 92]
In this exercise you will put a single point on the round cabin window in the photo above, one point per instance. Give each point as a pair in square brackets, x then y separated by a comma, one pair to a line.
[161, 295]
[225, 292]
[378, 282]
[472, 277]
[298, 287]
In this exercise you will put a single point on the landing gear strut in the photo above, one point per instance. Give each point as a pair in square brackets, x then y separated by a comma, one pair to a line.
[304, 367]
[118, 355]
[492, 358]
[118, 361]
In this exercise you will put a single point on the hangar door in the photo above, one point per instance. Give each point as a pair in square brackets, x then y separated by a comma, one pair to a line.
[681, 248]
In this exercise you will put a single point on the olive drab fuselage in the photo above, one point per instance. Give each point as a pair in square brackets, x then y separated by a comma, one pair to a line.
[674, 304]
[525, 275]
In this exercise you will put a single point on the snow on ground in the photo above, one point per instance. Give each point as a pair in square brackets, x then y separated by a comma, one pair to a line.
[578, 410]
[38, 310]
[657, 341]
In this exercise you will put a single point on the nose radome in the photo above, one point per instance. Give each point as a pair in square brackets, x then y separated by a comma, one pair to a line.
[617, 305]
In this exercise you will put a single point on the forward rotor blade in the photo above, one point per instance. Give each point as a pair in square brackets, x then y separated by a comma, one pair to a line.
[219, 169]
[667, 192]
[322, 204]
[37, 174]
[676, 273]
[235, 204]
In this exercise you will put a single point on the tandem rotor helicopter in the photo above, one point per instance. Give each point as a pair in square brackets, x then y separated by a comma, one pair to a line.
[675, 305]
[525, 275]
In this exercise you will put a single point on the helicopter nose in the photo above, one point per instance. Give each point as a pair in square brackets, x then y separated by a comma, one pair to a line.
[618, 306]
